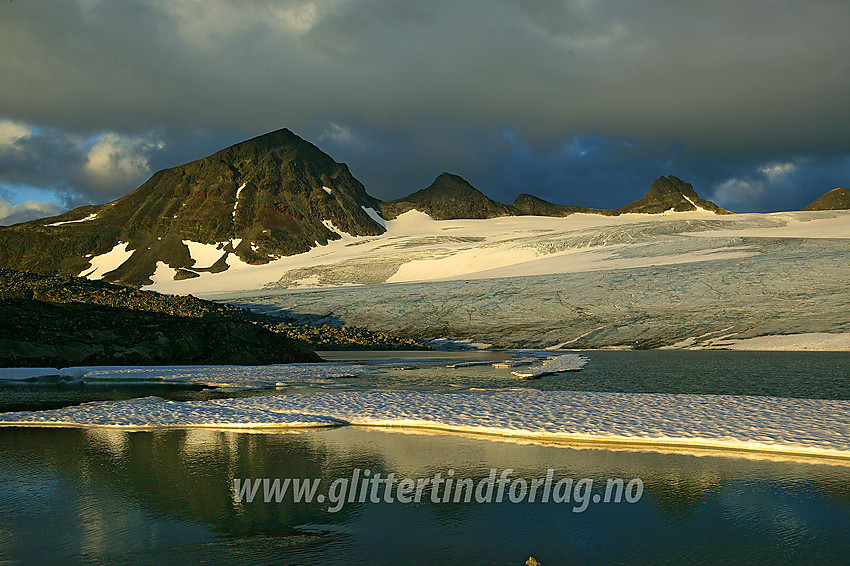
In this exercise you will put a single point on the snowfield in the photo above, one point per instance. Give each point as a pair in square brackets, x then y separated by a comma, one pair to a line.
[689, 279]
[417, 248]
[769, 424]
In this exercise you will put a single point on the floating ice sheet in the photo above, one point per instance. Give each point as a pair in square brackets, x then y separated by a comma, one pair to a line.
[558, 364]
[220, 376]
[773, 424]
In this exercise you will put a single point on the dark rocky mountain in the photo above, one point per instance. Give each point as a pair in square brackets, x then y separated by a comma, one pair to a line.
[532, 205]
[449, 197]
[260, 199]
[670, 193]
[836, 199]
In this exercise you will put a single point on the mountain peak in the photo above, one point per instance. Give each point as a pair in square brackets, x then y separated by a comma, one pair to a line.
[449, 197]
[258, 200]
[271, 140]
[670, 193]
[671, 185]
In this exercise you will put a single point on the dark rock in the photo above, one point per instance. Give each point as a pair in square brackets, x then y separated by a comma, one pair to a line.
[532, 205]
[59, 320]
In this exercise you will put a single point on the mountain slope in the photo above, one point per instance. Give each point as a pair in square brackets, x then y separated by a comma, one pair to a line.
[836, 199]
[449, 197]
[270, 196]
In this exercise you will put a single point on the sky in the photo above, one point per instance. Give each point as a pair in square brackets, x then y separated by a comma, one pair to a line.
[580, 102]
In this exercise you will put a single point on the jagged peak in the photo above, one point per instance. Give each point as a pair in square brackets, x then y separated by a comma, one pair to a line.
[671, 193]
[672, 185]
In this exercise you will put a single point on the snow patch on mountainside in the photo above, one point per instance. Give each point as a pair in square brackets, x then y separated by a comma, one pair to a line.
[86, 219]
[104, 263]
[163, 274]
[204, 255]
[236, 202]
[373, 214]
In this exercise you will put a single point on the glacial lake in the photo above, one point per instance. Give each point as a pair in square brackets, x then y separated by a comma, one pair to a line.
[109, 496]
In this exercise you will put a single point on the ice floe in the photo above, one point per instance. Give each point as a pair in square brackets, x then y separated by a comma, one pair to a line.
[771, 424]
[251, 377]
[557, 364]
[24, 374]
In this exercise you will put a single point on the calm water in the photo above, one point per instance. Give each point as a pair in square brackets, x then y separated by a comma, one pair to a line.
[100, 496]
[107, 497]
[815, 375]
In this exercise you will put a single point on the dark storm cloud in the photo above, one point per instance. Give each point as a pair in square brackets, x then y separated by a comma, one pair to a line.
[500, 92]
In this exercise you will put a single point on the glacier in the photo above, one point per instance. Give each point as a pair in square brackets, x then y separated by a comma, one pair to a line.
[692, 280]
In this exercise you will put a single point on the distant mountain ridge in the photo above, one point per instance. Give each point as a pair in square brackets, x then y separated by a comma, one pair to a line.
[451, 197]
[271, 196]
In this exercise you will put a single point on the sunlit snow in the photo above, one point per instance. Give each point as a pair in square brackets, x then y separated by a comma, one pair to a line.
[104, 263]
[86, 219]
[770, 424]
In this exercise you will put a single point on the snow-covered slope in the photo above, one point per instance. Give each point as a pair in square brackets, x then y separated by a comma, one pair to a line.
[417, 248]
[690, 279]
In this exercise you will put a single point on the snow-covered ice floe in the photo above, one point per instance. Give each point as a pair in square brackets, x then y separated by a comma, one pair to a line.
[557, 364]
[768, 424]
[253, 377]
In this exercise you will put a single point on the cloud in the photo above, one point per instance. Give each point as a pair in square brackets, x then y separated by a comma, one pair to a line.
[11, 133]
[404, 90]
[736, 192]
[115, 163]
[787, 184]
[26, 211]
[776, 171]
[78, 168]
[713, 76]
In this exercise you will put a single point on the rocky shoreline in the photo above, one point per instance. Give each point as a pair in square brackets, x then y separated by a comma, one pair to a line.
[58, 321]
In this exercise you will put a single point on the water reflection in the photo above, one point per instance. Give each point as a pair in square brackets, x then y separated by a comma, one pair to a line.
[107, 496]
